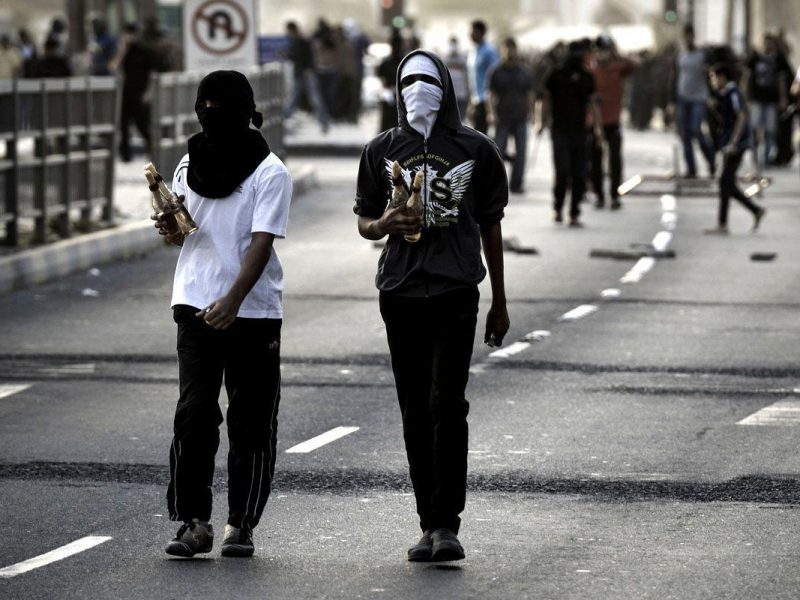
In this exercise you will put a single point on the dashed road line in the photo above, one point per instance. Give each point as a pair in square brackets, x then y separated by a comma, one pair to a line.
[322, 439]
[610, 293]
[660, 243]
[783, 412]
[662, 240]
[639, 270]
[54, 555]
[510, 350]
[538, 335]
[10, 389]
[578, 312]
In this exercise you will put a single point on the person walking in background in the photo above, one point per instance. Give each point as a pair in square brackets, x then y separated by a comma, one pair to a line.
[360, 45]
[326, 60]
[482, 58]
[784, 135]
[511, 101]
[767, 79]
[610, 72]
[52, 63]
[27, 48]
[387, 73]
[692, 96]
[103, 48]
[570, 94]
[456, 63]
[735, 139]
[304, 77]
[227, 303]
[429, 288]
[135, 63]
[10, 58]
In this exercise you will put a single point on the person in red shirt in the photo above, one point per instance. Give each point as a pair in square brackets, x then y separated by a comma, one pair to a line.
[610, 72]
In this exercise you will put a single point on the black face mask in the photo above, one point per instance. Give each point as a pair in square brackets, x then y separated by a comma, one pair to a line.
[227, 151]
[221, 125]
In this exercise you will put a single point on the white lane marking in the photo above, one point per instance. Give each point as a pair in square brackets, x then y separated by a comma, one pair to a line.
[322, 439]
[610, 293]
[669, 220]
[668, 203]
[511, 350]
[578, 312]
[783, 412]
[539, 335]
[662, 240]
[639, 270]
[13, 388]
[50, 557]
[478, 368]
[78, 369]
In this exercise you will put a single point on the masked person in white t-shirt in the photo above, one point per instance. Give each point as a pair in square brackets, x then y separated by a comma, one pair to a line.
[227, 303]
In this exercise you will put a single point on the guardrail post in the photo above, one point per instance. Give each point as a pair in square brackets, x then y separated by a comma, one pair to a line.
[40, 183]
[12, 175]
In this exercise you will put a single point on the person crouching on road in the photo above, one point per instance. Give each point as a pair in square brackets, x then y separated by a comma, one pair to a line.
[734, 141]
[429, 289]
[227, 303]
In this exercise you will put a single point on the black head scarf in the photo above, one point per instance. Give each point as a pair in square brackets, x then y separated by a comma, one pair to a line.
[228, 150]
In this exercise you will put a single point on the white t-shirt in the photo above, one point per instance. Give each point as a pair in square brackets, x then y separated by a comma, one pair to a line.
[212, 256]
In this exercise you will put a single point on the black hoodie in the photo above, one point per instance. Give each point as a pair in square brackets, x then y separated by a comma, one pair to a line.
[465, 186]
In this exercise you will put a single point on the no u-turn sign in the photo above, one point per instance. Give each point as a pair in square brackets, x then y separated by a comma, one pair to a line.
[219, 34]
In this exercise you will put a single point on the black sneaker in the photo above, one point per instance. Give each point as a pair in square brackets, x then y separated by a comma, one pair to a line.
[192, 538]
[237, 543]
[615, 204]
[422, 550]
[446, 546]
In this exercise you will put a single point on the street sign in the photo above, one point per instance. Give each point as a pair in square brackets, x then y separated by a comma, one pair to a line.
[219, 34]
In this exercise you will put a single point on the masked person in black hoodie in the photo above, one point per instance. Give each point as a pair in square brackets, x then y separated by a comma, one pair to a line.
[429, 289]
[227, 303]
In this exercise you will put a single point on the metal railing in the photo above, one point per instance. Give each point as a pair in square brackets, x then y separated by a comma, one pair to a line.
[173, 120]
[57, 139]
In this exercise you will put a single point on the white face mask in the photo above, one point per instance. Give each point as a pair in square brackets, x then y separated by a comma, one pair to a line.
[423, 101]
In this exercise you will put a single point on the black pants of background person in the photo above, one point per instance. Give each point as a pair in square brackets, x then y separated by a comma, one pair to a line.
[479, 121]
[729, 188]
[247, 355]
[430, 341]
[133, 111]
[569, 159]
[783, 139]
[613, 139]
[518, 129]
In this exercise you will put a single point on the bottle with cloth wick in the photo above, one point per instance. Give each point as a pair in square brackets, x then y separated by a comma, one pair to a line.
[167, 205]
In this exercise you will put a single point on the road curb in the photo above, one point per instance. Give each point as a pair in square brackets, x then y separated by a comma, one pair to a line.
[46, 263]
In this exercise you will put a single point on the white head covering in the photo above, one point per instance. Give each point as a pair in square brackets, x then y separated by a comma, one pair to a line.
[423, 100]
[420, 64]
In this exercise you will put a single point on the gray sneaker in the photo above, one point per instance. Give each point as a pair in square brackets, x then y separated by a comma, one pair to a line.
[237, 543]
[446, 546]
[422, 550]
[192, 538]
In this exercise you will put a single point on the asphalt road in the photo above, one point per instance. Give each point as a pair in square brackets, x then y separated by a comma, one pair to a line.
[641, 446]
